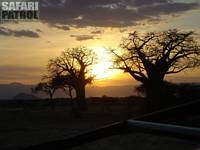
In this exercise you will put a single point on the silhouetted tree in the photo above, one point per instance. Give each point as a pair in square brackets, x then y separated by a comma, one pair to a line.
[75, 66]
[45, 87]
[62, 82]
[151, 56]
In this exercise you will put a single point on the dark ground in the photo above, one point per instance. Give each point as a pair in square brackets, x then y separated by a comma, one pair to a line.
[24, 123]
[140, 141]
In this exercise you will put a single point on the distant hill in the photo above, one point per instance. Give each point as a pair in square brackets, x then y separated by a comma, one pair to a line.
[25, 96]
[16, 90]
[8, 91]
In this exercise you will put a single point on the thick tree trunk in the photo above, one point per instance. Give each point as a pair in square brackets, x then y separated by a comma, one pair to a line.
[154, 94]
[81, 101]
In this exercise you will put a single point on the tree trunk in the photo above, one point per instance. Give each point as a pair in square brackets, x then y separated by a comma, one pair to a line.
[80, 96]
[70, 93]
[154, 94]
[50, 96]
[51, 100]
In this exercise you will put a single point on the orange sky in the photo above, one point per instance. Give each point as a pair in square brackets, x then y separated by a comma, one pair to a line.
[23, 58]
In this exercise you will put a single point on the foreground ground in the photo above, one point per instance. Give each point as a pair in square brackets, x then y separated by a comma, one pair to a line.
[140, 141]
[24, 123]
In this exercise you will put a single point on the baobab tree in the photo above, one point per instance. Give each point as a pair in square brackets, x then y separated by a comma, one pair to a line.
[149, 57]
[75, 66]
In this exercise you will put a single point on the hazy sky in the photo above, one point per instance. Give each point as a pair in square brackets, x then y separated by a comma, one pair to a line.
[26, 47]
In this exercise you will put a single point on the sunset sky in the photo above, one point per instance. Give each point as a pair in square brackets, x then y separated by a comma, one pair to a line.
[26, 47]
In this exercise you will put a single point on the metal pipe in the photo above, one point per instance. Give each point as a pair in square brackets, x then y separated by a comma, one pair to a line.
[184, 132]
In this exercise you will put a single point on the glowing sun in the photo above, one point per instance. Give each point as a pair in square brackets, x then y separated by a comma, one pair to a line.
[102, 69]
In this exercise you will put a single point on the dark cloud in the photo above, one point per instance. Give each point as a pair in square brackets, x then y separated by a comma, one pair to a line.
[14, 69]
[83, 37]
[38, 30]
[140, 3]
[13, 72]
[169, 8]
[18, 33]
[107, 13]
[97, 32]
[123, 30]
[25, 33]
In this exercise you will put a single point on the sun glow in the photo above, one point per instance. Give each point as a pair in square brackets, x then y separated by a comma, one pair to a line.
[101, 69]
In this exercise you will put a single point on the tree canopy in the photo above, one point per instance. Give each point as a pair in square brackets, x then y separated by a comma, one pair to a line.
[74, 67]
[157, 54]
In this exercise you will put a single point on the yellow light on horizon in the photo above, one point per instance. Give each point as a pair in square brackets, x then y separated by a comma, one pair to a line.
[102, 70]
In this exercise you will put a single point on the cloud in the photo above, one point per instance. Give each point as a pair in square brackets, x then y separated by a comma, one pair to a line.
[122, 30]
[140, 3]
[97, 32]
[108, 13]
[13, 69]
[38, 30]
[61, 27]
[18, 33]
[12, 72]
[166, 9]
[83, 37]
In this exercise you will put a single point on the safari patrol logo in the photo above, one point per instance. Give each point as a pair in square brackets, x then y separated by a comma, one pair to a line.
[19, 10]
